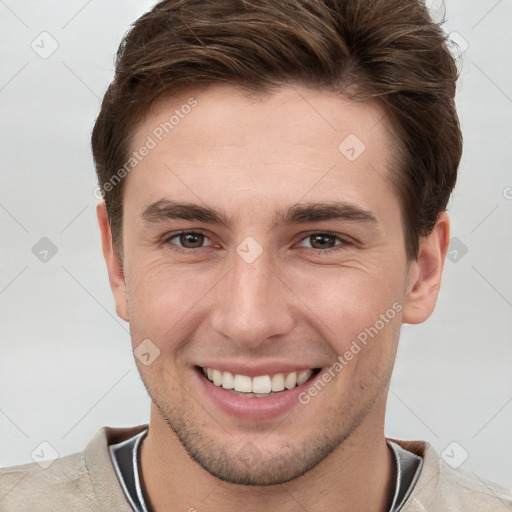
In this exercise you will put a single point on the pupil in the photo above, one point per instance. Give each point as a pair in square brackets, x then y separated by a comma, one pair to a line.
[192, 240]
[320, 241]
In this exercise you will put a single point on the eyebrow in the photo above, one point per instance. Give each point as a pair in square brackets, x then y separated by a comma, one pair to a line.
[315, 212]
[165, 209]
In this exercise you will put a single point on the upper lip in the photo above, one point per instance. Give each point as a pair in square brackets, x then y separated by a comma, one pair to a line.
[253, 370]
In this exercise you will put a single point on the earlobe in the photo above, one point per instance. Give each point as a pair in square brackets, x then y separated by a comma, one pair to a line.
[114, 266]
[426, 272]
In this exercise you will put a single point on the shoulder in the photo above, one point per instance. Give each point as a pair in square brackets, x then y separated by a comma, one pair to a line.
[440, 487]
[64, 485]
[84, 481]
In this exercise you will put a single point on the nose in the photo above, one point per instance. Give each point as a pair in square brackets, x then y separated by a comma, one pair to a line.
[253, 303]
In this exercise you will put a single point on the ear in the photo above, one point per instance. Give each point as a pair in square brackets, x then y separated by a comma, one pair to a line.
[114, 265]
[425, 273]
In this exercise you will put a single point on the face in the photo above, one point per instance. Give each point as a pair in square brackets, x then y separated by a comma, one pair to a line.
[256, 252]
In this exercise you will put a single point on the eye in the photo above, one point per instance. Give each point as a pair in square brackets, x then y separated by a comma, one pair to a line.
[186, 240]
[324, 241]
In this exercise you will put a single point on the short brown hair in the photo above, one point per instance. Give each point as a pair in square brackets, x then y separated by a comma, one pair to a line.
[386, 49]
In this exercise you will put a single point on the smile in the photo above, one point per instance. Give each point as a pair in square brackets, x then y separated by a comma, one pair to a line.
[252, 393]
[260, 385]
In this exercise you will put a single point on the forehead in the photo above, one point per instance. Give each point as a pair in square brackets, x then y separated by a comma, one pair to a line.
[220, 145]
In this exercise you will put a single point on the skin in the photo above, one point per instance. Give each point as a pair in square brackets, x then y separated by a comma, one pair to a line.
[249, 158]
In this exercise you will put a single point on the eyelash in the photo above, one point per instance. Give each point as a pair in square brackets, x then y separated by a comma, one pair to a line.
[167, 240]
[344, 241]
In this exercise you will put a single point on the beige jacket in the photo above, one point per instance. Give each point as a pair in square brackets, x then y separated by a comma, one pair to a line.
[87, 481]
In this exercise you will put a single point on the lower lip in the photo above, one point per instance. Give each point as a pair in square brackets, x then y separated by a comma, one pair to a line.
[252, 408]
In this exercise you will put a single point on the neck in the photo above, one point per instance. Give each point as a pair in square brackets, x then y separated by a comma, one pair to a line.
[356, 476]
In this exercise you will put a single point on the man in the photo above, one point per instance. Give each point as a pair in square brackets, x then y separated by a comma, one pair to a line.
[275, 177]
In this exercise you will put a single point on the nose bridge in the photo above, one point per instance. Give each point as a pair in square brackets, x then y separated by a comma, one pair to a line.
[252, 304]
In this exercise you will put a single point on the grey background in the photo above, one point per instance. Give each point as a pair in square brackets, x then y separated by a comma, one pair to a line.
[66, 367]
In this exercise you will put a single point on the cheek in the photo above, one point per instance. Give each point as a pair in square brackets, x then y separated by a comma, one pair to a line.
[169, 302]
[163, 297]
[346, 301]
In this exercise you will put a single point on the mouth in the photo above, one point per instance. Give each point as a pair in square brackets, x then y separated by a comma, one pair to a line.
[256, 398]
[259, 386]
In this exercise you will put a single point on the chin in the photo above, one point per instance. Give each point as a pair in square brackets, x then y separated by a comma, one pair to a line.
[253, 467]
[258, 463]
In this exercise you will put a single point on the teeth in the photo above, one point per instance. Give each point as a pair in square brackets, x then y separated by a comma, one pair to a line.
[291, 380]
[217, 377]
[243, 383]
[303, 377]
[261, 385]
[278, 382]
[228, 381]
